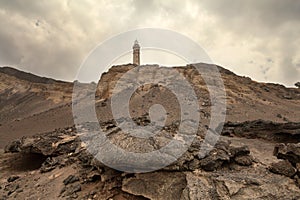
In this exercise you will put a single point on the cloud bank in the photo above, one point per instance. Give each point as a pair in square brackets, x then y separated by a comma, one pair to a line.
[253, 38]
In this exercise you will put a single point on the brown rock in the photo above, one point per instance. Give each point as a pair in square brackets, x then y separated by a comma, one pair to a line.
[58, 142]
[13, 147]
[268, 130]
[214, 160]
[245, 160]
[157, 185]
[49, 165]
[290, 152]
[12, 178]
[239, 151]
[71, 179]
[284, 168]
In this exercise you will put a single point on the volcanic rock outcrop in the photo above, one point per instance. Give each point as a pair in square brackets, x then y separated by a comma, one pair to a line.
[229, 171]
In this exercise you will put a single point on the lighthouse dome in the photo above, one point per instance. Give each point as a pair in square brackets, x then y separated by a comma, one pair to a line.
[136, 45]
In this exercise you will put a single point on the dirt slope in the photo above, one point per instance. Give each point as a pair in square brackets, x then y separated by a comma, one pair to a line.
[30, 104]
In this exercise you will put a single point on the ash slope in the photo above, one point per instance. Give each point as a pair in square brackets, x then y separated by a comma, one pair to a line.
[30, 104]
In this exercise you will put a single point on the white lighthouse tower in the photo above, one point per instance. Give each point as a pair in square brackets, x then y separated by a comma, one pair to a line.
[136, 53]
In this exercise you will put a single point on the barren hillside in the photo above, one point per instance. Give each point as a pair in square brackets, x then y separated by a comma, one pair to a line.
[245, 99]
[257, 156]
[31, 104]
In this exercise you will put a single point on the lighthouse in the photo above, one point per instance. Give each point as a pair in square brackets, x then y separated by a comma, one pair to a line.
[136, 53]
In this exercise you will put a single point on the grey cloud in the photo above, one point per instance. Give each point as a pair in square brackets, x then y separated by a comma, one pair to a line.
[144, 6]
[268, 13]
[8, 50]
[55, 48]
[272, 25]
[174, 13]
[52, 38]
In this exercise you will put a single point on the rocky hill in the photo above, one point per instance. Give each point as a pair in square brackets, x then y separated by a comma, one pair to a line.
[246, 99]
[257, 156]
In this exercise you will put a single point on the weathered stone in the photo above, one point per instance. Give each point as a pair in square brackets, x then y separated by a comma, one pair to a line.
[109, 174]
[284, 168]
[70, 191]
[297, 180]
[76, 188]
[85, 158]
[290, 152]
[214, 160]
[13, 147]
[198, 187]
[49, 164]
[11, 188]
[93, 177]
[298, 168]
[59, 142]
[12, 178]
[233, 187]
[268, 130]
[19, 190]
[244, 160]
[194, 164]
[239, 151]
[71, 179]
[156, 185]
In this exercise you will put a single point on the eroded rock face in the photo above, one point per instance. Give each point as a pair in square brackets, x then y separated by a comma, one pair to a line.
[59, 142]
[268, 130]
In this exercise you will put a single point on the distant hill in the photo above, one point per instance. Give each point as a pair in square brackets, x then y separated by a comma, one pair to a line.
[30, 104]
[27, 76]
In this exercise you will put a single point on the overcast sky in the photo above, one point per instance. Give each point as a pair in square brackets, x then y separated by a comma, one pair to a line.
[255, 38]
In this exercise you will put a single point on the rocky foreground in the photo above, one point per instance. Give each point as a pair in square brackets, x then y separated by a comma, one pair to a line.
[57, 165]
